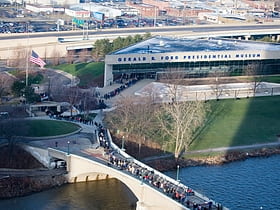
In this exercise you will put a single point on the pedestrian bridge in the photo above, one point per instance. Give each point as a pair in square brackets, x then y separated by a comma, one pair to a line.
[83, 167]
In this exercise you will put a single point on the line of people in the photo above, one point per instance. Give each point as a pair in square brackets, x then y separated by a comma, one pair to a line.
[120, 89]
[102, 138]
[77, 119]
[179, 193]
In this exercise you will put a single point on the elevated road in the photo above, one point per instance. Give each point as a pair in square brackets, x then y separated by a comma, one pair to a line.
[157, 30]
[47, 44]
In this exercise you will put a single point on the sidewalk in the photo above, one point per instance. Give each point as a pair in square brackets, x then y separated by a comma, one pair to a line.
[129, 91]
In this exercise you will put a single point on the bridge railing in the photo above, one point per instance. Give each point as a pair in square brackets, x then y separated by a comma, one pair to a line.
[167, 178]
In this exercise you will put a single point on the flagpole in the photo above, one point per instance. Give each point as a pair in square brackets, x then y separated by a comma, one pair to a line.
[27, 57]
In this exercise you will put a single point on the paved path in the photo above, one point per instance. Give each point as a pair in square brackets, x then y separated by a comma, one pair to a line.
[222, 149]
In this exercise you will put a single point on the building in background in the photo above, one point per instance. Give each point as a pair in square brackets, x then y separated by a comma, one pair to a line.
[192, 58]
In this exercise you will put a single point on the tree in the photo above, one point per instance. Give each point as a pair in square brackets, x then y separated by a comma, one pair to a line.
[137, 38]
[83, 55]
[101, 48]
[217, 88]
[70, 57]
[72, 95]
[147, 35]
[9, 129]
[55, 56]
[30, 95]
[4, 85]
[118, 43]
[134, 118]
[179, 119]
[254, 71]
[17, 87]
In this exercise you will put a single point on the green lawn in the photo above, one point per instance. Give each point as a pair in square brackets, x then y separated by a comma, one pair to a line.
[87, 72]
[273, 79]
[40, 128]
[240, 122]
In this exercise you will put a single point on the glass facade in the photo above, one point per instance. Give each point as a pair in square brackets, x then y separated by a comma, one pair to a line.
[200, 69]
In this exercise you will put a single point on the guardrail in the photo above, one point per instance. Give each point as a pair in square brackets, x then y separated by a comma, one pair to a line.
[167, 178]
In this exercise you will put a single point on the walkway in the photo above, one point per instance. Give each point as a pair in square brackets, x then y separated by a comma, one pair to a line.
[79, 145]
[223, 149]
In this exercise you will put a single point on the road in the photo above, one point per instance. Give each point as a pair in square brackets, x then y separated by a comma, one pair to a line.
[132, 31]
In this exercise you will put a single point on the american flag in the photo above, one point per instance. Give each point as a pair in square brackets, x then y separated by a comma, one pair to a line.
[36, 59]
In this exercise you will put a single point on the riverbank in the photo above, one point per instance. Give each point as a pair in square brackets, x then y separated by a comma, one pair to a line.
[21, 174]
[14, 186]
[168, 164]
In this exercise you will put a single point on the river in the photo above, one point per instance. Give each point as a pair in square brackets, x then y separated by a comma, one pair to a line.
[251, 184]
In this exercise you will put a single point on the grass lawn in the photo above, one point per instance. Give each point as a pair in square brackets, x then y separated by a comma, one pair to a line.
[273, 79]
[87, 72]
[40, 128]
[265, 78]
[240, 122]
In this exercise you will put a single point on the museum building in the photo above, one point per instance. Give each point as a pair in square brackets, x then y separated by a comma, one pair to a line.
[157, 56]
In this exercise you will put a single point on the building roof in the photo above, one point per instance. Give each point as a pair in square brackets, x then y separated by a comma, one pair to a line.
[160, 44]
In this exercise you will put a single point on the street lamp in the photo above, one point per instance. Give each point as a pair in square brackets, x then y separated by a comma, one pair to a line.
[123, 143]
[177, 177]
[68, 143]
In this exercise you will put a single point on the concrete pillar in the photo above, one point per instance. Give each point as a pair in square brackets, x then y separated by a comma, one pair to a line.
[108, 75]
[141, 206]
[278, 38]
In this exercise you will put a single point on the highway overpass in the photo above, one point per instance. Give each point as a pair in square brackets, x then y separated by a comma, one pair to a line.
[47, 44]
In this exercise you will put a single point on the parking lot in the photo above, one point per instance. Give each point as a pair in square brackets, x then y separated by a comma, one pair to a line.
[16, 19]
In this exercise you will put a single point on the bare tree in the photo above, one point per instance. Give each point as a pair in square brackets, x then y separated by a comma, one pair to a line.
[70, 57]
[56, 57]
[88, 102]
[217, 88]
[19, 57]
[133, 118]
[83, 55]
[9, 129]
[254, 72]
[5, 82]
[180, 119]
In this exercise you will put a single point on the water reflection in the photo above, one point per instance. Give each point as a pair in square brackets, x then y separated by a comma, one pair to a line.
[100, 195]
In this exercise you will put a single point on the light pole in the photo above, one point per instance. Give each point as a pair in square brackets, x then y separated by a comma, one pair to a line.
[177, 177]
[68, 143]
[123, 143]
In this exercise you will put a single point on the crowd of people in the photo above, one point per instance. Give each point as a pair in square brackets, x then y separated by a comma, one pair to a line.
[78, 119]
[176, 191]
[118, 90]
[102, 136]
